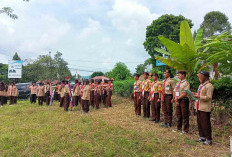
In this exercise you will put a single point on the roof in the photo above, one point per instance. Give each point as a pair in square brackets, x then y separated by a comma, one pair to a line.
[100, 78]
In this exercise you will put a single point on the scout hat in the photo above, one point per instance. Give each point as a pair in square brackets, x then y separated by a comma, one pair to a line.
[205, 73]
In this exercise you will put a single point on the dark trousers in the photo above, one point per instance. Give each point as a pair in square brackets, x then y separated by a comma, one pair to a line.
[182, 114]
[167, 108]
[146, 105]
[85, 105]
[66, 102]
[61, 101]
[1, 100]
[204, 124]
[92, 98]
[40, 100]
[4, 100]
[33, 98]
[155, 108]
[137, 103]
[97, 100]
[58, 97]
[12, 100]
[108, 100]
[47, 98]
[104, 98]
[75, 100]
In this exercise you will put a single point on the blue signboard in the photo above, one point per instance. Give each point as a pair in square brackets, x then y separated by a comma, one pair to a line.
[159, 63]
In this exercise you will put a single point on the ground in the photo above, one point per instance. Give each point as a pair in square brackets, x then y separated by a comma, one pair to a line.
[32, 130]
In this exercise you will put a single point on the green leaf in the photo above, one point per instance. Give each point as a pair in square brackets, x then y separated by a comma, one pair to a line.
[186, 35]
[171, 63]
[198, 39]
[162, 51]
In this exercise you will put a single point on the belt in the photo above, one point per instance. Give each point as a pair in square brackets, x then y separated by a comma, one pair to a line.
[156, 93]
[184, 98]
[168, 94]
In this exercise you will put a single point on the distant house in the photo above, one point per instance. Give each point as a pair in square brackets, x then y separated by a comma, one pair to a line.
[100, 78]
[85, 77]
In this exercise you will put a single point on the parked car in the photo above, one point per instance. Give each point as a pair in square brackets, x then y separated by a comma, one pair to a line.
[24, 92]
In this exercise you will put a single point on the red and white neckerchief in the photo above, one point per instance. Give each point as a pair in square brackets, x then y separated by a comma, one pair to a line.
[199, 93]
[152, 91]
[135, 87]
[143, 87]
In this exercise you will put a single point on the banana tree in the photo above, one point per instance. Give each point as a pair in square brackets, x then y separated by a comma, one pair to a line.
[183, 55]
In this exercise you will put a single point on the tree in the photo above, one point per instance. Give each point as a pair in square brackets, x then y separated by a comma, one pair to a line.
[16, 56]
[4, 73]
[98, 73]
[140, 69]
[214, 23]
[119, 72]
[167, 26]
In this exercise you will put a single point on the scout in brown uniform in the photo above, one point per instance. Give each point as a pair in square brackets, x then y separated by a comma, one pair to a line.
[146, 85]
[2, 90]
[58, 91]
[182, 103]
[76, 93]
[33, 89]
[62, 93]
[5, 94]
[40, 92]
[137, 94]
[104, 92]
[12, 93]
[203, 107]
[109, 93]
[67, 96]
[155, 98]
[97, 94]
[92, 92]
[167, 98]
[47, 93]
[86, 97]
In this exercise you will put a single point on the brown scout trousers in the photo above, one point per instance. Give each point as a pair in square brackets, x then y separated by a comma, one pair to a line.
[1, 100]
[47, 98]
[85, 105]
[12, 99]
[155, 108]
[97, 100]
[146, 105]
[75, 100]
[182, 114]
[66, 102]
[40, 100]
[137, 103]
[33, 98]
[204, 124]
[61, 101]
[92, 98]
[108, 100]
[167, 108]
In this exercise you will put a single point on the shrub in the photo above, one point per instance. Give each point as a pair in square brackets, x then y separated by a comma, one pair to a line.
[123, 88]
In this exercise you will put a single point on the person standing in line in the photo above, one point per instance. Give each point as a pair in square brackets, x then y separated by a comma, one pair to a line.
[58, 91]
[5, 95]
[136, 96]
[182, 103]
[104, 92]
[109, 90]
[2, 94]
[97, 94]
[86, 97]
[155, 98]
[76, 92]
[47, 93]
[33, 89]
[40, 92]
[12, 93]
[92, 86]
[203, 108]
[146, 85]
[67, 96]
[167, 98]
[61, 90]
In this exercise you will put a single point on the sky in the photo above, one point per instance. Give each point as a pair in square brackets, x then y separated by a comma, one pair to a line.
[92, 34]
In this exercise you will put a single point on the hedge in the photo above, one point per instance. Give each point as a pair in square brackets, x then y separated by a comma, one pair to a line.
[123, 88]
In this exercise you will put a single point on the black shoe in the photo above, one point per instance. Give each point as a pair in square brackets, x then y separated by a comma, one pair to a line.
[208, 142]
[201, 139]
[153, 120]
[156, 121]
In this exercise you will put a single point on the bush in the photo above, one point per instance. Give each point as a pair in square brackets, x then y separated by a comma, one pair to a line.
[123, 88]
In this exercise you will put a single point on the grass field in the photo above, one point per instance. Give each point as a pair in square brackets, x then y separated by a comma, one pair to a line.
[32, 130]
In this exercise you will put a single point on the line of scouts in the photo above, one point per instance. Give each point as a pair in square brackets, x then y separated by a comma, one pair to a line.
[8, 93]
[154, 94]
[86, 93]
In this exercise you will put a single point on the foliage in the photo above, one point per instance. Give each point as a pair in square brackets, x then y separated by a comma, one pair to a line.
[182, 56]
[214, 23]
[123, 88]
[3, 72]
[140, 69]
[218, 49]
[119, 72]
[45, 67]
[16, 56]
[97, 73]
[8, 11]
[167, 26]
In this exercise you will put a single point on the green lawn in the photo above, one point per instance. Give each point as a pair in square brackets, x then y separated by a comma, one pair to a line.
[32, 130]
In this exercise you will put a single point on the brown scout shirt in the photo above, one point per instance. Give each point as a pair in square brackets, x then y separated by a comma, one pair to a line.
[12, 91]
[40, 92]
[205, 99]
[146, 84]
[62, 91]
[33, 89]
[66, 90]
[86, 93]
[169, 86]
[76, 92]
[47, 88]
[181, 86]
[138, 87]
[157, 87]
